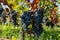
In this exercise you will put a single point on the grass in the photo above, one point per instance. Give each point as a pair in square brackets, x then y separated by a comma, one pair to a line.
[48, 34]
[7, 31]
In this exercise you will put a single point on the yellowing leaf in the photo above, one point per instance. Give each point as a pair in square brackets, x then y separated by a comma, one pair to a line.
[14, 38]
